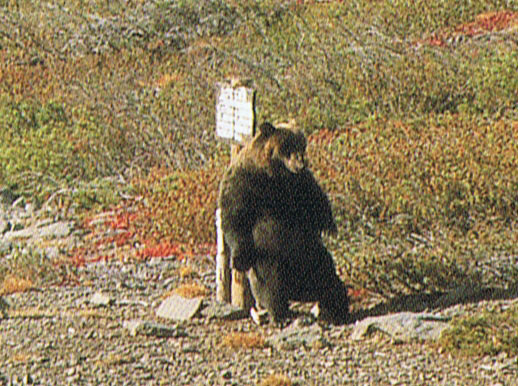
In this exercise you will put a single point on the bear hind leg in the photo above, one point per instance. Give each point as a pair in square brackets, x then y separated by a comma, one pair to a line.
[267, 288]
[334, 303]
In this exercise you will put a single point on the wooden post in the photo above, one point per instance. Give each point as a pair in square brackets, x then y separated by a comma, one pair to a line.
[241, 293]
[222, 265]
[235, 121]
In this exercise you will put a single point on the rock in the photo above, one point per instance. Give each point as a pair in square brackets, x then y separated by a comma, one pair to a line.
[226, 374]
[223, 311]
[60, 229]
[189, 349]
[19, 202]
[100, 299]
[5, 247]
[179, 308]
[29, 208]
[7, 196]
[304, 321]
[259, 316]
[5, 225]
[140, 327]
[56, 230]
[315, 310]
[404, 326]
[17, 227]
[4, 306]
[52, 252]
[294, 337]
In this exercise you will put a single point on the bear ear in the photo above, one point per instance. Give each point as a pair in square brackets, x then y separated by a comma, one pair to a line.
[267, 129]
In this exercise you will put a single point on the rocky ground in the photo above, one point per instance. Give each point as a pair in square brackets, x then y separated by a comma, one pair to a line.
[101, 327]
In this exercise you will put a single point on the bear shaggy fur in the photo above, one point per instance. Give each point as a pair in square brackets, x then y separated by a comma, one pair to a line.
[273, 214]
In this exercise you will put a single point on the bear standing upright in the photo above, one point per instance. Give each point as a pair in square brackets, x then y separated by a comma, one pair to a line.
[273, 214]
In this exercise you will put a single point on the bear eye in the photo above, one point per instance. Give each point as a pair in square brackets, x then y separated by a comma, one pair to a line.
[288, 148]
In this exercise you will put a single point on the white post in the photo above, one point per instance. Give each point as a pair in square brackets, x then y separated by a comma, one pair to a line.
[222, 265]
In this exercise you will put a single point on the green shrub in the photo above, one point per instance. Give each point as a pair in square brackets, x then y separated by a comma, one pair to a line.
[488, 333]
[419, 205]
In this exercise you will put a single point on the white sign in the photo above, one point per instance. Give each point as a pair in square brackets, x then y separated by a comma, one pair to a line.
[235, 112]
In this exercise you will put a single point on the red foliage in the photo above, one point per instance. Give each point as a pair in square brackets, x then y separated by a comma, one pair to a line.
[489, 22]
[486, 22]
[81, 258]
[322, 137]
[165, 249]
[436, 41]
[122, 220]
[180, 250]
[126, 222]
[357, 295]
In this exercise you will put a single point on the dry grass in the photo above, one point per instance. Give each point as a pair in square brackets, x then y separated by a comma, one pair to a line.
[243, 340]
[21, 357]
[276, 380]
[32, 313]
[189, 291]
[113, 360]
[13, 284]
[186, 272]
[92, 313]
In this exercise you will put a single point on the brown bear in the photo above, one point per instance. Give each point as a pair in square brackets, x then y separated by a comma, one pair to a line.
[273, 214]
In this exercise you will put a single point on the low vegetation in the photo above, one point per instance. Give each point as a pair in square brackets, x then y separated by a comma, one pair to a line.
[487, 334]
[276, 380]
[192, 290]
[244, 340]
[410, 107]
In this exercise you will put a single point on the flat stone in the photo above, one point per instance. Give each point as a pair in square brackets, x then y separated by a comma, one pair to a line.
[223, 311]
[404, 326]
[56, 230]
[294, 337]
[142, 327]
[100, 299]
[59, 229]
[177, 307]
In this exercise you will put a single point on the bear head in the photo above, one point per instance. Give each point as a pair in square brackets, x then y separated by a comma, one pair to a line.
[278, 151]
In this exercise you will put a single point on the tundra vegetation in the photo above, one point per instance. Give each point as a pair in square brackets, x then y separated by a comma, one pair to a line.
[411, 110]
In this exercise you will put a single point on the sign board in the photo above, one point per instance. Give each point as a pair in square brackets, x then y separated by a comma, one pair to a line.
[235, 112]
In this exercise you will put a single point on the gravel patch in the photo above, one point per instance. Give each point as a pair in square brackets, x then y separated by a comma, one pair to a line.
[57, 335]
